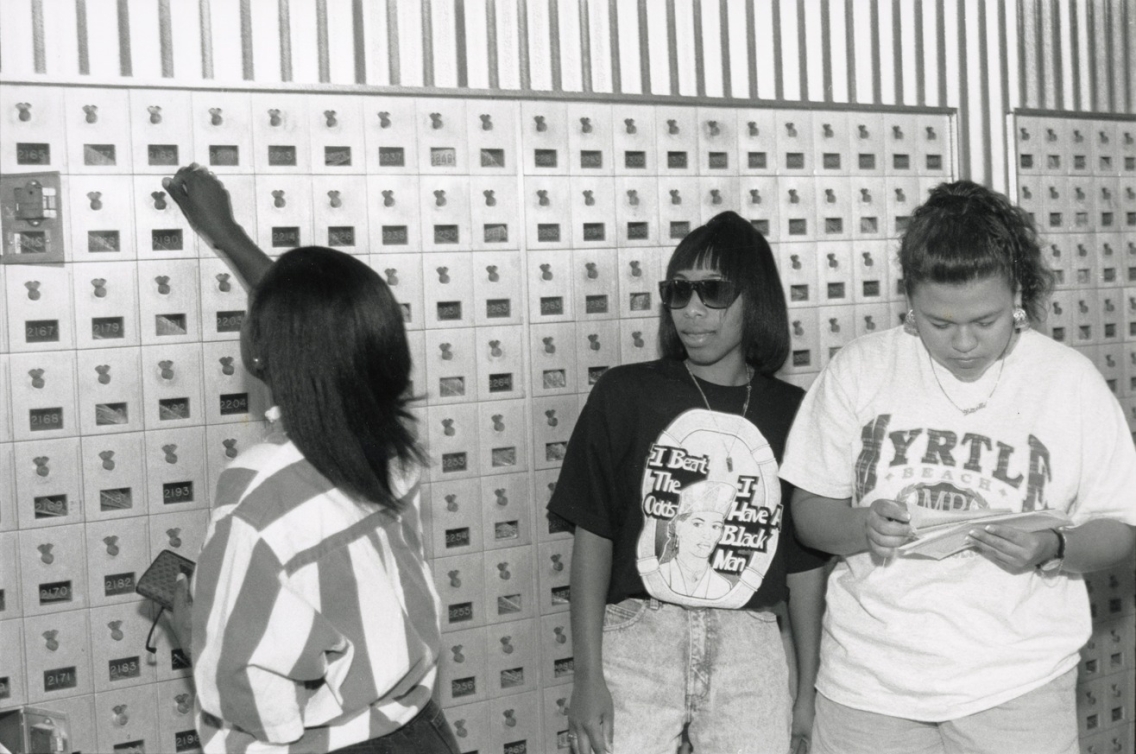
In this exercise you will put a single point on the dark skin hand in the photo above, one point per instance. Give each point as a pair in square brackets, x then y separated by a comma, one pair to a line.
[205, 203]
[180, 616]
[203, 200]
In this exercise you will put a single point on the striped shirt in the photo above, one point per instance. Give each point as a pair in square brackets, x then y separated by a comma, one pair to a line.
[315, 620]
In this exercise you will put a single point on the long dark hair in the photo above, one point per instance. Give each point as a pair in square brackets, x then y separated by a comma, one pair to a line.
[331, 345]
[733, 247]
[965, 232]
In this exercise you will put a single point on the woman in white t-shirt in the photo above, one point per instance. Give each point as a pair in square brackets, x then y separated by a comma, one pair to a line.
[963, 409]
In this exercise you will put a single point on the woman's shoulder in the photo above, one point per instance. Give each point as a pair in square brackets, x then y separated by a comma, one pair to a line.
[873, 350]
[274, 445]
[1042, 355]
[634, 378]
[780, 389]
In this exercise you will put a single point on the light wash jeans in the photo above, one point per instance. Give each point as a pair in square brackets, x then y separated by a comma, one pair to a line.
[1043, 721]
[721, 671]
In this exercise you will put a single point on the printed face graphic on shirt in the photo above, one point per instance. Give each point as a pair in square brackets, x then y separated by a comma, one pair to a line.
[941, 470]
[709, 533]
[696, 535]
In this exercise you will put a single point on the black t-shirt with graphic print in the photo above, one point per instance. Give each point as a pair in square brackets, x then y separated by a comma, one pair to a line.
[690, 498]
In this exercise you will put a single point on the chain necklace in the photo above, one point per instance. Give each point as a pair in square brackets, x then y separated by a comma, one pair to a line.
[745, 410]
[982, 405]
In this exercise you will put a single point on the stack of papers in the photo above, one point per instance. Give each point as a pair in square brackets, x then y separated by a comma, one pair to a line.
[939, 534]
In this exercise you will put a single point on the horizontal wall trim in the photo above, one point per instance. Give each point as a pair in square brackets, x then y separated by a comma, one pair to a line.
[1074, 115]
[496, 94]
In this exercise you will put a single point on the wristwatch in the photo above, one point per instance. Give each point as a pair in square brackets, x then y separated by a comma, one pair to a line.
[1053, 565]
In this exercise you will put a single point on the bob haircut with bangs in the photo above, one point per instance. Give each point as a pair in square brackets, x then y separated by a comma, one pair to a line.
[966, 232]
[739, 253]
[332, 348]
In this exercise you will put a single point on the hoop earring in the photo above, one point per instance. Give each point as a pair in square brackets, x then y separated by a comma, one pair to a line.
[909, 323]
[1021, 319]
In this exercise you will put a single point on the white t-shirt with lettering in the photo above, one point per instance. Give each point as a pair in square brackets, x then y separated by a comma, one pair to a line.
[937, 640]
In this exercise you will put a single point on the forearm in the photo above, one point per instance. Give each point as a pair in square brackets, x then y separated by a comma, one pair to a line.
[829, 524]
[806, 608]
[247, 260]
[1097, 544]
[208, 209]
[591, 574]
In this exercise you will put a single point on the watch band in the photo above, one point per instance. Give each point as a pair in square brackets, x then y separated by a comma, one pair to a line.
[1053, 565]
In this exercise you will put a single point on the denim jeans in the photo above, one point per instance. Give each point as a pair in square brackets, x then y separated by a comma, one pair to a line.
[1043, 721]
[427, 733]
[721, 671]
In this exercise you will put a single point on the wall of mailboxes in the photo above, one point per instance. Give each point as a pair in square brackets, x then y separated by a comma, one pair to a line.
[524, 239]
[1077, 177]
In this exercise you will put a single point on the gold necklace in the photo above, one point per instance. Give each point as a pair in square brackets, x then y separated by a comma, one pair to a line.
[745, 410]
[982, 405]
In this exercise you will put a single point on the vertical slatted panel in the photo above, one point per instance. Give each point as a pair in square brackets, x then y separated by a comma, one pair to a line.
[1027, 54]
[375, 51]
[1057, 51]
[1097, 66]
[444, 34]
[60, 36]
[341, 38]
[735, 27]
[791, 86]
[765, 42]
[1128, 23]
[1108, 91]
[508, 45]
[970, 78]
[266, 49]
[15, 52]
[569, 45]
[838, 54]
[889, 93]
[82, 38]
[954, 68]
[1063, 14]
[145, 41]
[1121, 69]
[653, 41]
[102, 39]
[599, 44]
[626, 15]
[166, 38]
[359, 42]
[38, 38]
[814, 59]
[874, 35]
[225, 28]
[1057, 54]
[540, 56]
[864, 55]
[683, 54]
[248, 72]
[585, 29]
[125, 61]
[714, 73]
[649, 81]
[476, 22]
[991, 62]
[393, 56]
[185, 41]
[302, 41]
[906, 33]
[410, 44]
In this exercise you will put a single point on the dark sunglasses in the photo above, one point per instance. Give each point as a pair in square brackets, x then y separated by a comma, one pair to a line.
[715, 294]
